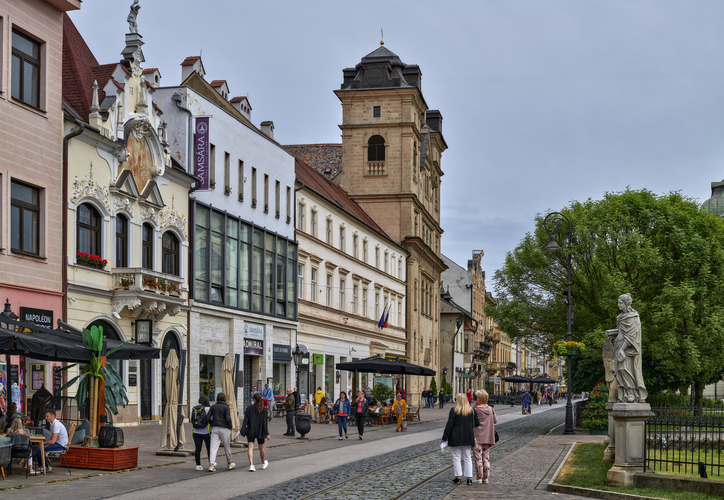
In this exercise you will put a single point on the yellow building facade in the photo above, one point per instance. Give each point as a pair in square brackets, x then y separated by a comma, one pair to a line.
[127, 218]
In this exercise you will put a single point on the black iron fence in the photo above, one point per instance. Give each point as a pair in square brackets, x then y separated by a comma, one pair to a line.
[685, 439]
[578, 408]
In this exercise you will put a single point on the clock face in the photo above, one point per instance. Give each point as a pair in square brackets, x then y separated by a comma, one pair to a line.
[375, 76]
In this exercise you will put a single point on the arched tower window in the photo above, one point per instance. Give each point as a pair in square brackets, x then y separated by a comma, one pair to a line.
[376, 148]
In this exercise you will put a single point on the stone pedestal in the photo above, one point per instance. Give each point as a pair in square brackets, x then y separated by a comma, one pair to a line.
[609, 455]
[629, 419]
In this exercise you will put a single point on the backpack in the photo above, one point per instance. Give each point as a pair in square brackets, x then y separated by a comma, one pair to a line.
[199, 419]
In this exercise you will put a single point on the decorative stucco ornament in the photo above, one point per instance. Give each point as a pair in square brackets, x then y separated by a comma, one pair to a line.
[118, 304]
[122, 204]
[169, 217]
[88, 187]
[148, 213]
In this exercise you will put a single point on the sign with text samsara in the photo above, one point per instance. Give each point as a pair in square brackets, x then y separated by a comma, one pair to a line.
[252, 331]
[253, 347]
[40, 317]
[201, 151]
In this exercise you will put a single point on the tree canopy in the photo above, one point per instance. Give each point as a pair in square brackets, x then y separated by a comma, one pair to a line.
[662, 249]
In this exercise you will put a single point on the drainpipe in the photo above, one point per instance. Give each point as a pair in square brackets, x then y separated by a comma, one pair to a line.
[64, 224]
[178, 100]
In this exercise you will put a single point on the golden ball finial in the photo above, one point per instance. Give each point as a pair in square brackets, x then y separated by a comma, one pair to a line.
[382, 43]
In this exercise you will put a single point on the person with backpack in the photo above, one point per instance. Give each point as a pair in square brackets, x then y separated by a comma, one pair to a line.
[221, 426]
[200, 422]
[255, 427]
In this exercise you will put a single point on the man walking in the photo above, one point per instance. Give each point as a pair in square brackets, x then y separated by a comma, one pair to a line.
[441, 397]
[526, 403]
[289, 407]
[425, 398]
[431, 395]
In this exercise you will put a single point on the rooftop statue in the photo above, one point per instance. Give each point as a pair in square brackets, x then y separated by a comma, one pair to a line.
[626, 364]
[132, 24]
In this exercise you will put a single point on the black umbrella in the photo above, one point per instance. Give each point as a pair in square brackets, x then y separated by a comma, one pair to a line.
[543, 380]
[516, 379]
[377, 364]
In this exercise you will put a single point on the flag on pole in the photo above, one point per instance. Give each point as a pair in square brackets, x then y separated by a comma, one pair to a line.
[387, 316]
[381, 322]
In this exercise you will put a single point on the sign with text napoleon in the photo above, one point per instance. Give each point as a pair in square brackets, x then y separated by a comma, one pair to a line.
[201, 151]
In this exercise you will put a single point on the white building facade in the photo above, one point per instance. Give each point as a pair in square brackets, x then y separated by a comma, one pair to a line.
[349, 274]
[243, 252]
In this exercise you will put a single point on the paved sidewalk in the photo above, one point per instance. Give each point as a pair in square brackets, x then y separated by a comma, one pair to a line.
[524, 473]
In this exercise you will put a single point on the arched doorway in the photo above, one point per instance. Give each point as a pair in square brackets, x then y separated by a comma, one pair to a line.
[170, 343]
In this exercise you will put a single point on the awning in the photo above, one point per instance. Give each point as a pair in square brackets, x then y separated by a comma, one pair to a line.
[377, 364]
[57, 345]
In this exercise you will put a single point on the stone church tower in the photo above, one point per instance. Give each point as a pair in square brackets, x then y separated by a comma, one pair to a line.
[391, 150]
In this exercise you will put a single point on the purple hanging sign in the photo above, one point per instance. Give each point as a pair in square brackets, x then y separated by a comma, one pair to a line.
[201, 151]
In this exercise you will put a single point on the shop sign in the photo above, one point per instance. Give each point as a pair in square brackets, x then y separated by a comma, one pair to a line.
[14, 374]
[143, 331]
[252, 331]
[319, 359]
[132, 381]
[201, 152]
[253, 347]
[305, 362]
[282, 352]
[40, 317]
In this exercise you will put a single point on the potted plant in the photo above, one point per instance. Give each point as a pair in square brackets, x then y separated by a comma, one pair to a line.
[570, 348]
[126, 282]
[241, 197]
[277, 216]
[253, 202]
[91, 260]
[150, 283]
[173, 289]
[289, 219]
[212, 184]
[89, 380]
[227, 190]
[266, 208]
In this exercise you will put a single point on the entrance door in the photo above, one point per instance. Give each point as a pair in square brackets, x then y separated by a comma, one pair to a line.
[248, 382]
[145, 389]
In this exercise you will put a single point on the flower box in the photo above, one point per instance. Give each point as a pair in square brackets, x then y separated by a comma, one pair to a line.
[90, 260]
[572, 351]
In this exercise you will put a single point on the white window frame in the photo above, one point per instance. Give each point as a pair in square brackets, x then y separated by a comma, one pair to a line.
[313, 289]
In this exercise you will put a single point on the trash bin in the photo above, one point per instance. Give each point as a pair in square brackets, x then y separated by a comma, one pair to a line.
[303, 423]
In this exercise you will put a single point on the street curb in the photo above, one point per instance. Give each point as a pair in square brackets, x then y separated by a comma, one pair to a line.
[587, 492]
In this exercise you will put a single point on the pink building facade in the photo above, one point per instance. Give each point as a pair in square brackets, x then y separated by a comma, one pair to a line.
[31, 169]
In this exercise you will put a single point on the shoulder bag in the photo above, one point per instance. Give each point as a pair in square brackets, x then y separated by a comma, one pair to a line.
[245, 424]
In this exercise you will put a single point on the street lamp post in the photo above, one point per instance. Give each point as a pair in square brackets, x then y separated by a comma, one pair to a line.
[303, 421]
[553, 222]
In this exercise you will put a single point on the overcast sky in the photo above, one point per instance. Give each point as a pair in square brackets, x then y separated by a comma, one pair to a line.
[543, 102]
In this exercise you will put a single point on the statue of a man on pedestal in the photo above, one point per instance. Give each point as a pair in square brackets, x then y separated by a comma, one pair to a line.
[626, 364]
[132, 24]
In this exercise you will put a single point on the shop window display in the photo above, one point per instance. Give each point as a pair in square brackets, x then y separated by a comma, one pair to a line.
[210, 375]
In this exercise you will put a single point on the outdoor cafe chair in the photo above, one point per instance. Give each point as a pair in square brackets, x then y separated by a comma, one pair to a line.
[6, 449]
[61, 454]
[323, 414]
[21, 448]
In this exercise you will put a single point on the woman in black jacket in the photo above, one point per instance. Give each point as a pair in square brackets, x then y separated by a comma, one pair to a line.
[460, 437]
[360, 409]
[220, 431]
[256, 428]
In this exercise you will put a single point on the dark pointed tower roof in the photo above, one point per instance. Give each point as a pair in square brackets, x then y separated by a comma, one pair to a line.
[715, 204]
[382, 69]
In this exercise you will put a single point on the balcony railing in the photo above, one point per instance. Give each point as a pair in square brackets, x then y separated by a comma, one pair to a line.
[493, 336]
[511, 366]
[375, 168]
[144, 280]
[482, 347]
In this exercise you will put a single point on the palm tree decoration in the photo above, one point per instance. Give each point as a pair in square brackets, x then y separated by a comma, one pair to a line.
[92, 375]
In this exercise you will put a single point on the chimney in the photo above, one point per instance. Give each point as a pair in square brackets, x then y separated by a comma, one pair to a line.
[153, 76]
[242, 104]
[192, 64]
[268, 129]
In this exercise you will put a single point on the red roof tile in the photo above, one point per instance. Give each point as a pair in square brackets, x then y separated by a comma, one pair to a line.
[189, 61]
[155, 106]
[78, 65]
[332, 192]
[218, 83]
[151, 70]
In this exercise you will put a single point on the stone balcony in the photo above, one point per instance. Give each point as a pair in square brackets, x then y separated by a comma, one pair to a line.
[147, 294]
[375, 168]
[494, 337]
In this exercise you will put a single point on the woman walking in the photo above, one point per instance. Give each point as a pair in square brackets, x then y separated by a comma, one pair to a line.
[220, 431]
[342, 409]
[200, 421]
[460, 436]
[257, 428]
[399, 410]
[360, 408]
[484, 436]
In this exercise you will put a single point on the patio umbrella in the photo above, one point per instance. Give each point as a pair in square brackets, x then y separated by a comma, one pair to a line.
[227, 386]
[169, 436]
[543, 380]
[516, 379]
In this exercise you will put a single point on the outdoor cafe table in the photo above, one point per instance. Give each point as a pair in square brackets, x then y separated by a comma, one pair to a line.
[40, 440]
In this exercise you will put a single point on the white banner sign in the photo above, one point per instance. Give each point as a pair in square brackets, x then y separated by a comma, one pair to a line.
[252, 331]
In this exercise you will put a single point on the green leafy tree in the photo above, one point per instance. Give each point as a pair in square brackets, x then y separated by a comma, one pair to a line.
[433, 386]
[663, 250]
[383, 392]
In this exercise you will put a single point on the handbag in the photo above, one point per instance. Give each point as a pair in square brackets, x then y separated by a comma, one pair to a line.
[245, 424]
[497, 438]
